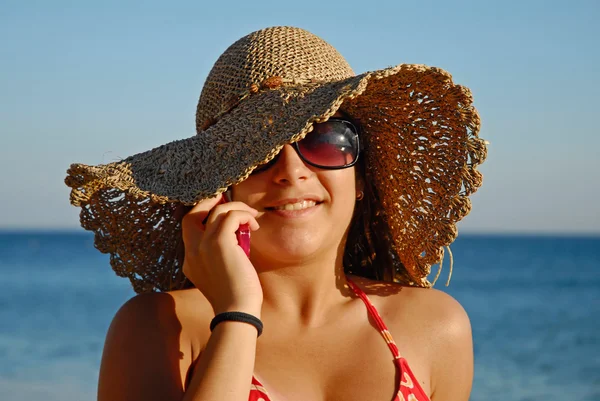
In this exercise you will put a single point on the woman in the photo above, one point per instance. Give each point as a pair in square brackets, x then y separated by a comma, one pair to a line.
[351, 187]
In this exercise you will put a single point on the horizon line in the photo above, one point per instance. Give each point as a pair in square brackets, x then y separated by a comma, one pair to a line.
[523, 233]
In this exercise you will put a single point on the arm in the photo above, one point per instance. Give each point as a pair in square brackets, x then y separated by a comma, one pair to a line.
[224, 371]
[146, 359]
[147, 355]
[452, 369]
[141, 358]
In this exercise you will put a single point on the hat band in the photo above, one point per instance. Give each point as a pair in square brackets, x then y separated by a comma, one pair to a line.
[270, 83]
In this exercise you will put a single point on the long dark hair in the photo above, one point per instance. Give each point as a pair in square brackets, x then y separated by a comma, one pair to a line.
[369, 250]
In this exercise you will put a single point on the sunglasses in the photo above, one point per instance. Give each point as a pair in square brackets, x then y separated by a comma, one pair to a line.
[330, 145]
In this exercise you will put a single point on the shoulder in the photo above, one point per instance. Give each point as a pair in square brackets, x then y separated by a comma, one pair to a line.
[434, 329]
[429, 309]
[150, 345]
[447, 342]
[160, 312]
[434, 309]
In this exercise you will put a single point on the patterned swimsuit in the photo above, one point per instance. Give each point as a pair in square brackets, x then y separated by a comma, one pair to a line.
[409, 388]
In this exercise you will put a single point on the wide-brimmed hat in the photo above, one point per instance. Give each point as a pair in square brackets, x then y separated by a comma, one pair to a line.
[267, 90]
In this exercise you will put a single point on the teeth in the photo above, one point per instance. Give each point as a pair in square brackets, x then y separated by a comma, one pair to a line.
[297, 206]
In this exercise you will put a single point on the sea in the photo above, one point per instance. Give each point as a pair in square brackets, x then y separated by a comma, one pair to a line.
[533, 301]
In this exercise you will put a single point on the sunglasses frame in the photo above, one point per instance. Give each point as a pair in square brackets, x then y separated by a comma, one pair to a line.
[264, 167]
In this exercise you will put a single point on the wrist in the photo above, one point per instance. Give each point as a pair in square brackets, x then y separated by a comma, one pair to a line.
[251, 309]
[238, 317]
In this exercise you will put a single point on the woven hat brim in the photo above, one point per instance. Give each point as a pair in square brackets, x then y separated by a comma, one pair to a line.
[136, 202]
[196, 168]
[423, 152]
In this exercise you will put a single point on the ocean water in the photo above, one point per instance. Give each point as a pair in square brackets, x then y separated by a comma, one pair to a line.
[534, 304]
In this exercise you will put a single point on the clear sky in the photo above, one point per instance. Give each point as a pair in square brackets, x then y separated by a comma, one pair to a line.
[92, 82]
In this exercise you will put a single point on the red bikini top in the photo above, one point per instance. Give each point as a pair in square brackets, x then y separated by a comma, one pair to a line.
[409, 388]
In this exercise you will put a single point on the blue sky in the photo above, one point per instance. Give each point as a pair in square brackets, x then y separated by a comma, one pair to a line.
[95, 81]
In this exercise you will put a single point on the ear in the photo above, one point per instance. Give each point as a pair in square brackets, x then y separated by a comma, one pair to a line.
[360, 186]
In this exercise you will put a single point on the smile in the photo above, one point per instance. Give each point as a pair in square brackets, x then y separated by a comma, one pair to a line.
[296, 206]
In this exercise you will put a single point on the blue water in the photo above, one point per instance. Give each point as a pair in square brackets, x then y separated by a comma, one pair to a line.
[534, 304]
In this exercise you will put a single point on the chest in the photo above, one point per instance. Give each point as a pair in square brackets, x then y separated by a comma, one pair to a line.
[328, 365]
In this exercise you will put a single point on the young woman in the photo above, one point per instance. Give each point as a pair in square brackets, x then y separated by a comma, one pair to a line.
[350, 186]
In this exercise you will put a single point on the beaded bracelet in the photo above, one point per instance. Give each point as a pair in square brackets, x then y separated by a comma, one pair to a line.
[237, 317]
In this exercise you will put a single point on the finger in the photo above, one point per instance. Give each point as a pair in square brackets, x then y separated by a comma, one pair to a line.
[207, 216]
[201, 210]
[226, 208]
[230, 222]
[236, 218]
[207, 204]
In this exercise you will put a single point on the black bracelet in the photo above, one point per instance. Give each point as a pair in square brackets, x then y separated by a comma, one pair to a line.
[237, 317]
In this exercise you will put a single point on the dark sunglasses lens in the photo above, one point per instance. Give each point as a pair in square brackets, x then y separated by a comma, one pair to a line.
[331, 144]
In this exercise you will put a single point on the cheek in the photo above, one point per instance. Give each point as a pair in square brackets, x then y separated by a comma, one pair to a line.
[342, 192]
[250, 191]
[342, 189]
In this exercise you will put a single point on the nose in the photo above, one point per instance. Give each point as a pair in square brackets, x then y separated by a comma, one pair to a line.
[290, 167]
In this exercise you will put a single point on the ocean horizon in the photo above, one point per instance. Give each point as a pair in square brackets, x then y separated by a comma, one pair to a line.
[533, 300]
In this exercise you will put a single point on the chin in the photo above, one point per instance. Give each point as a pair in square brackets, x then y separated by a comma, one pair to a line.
[293, 244]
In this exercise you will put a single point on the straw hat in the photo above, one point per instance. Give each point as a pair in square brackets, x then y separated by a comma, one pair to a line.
[265, 91]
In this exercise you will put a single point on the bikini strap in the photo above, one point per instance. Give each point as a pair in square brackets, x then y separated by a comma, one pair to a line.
[375, 315]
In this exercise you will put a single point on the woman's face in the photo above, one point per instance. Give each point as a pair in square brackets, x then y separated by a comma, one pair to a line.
[319, 204]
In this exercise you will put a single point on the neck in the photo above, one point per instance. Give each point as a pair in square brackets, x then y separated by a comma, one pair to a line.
[305, 293]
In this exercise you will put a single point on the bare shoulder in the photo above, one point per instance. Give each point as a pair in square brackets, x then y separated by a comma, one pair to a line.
[149, 346]
[432, 328]
[429, 309]
[434, 309]
[160, 313]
